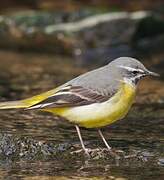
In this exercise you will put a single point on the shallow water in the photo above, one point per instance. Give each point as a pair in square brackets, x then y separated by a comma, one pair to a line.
[35, 145]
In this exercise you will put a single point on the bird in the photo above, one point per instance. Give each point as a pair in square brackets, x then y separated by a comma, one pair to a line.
[94, 99]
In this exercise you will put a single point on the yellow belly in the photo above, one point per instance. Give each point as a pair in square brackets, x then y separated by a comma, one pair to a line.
[100, 114]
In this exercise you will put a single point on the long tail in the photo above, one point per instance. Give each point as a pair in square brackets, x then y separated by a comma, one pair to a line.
[13, 104]
[26, 103]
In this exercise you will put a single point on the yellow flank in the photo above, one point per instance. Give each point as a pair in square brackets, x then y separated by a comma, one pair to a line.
[100, 114]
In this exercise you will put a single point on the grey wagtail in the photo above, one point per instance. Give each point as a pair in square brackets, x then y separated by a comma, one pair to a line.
[94, 99]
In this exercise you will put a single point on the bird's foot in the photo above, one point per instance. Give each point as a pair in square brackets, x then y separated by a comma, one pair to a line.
[121, 154]
[133, 154]
[116, 154]
[88, 152]
[113, 153]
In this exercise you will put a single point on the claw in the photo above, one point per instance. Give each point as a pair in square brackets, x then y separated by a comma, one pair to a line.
[87, 151]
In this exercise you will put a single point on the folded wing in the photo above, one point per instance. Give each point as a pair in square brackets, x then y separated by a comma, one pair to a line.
[70, 96]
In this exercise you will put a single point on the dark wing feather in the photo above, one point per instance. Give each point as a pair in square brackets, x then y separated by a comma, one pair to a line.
[70, 96]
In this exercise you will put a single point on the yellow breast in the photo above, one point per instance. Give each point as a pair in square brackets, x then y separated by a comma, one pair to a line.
[100, 114]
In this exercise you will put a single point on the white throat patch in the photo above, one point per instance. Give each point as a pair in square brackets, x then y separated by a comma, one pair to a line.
[131, 80]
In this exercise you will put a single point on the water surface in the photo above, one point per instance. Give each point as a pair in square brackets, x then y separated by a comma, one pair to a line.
[36, 145]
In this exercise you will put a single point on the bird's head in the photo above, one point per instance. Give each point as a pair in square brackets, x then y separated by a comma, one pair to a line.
[131, 70]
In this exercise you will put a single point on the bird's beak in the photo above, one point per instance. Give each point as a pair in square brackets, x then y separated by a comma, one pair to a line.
[150, 73]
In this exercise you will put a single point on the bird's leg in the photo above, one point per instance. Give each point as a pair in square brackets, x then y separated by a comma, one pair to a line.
[107, 145]
[86, 150]
[104, 140]
[81, 140]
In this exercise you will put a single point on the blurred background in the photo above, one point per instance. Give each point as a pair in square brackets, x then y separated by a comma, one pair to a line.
[41, 39]
[44, 43]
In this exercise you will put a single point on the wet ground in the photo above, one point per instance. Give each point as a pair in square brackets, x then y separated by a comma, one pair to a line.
[35, 145]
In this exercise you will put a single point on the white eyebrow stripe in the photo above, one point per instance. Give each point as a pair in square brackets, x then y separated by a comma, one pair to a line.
[131, 69]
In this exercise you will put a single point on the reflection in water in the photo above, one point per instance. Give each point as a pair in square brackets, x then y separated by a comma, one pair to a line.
[98, 169]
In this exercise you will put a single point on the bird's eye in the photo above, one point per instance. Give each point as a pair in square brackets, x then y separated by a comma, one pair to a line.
[134, 72]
